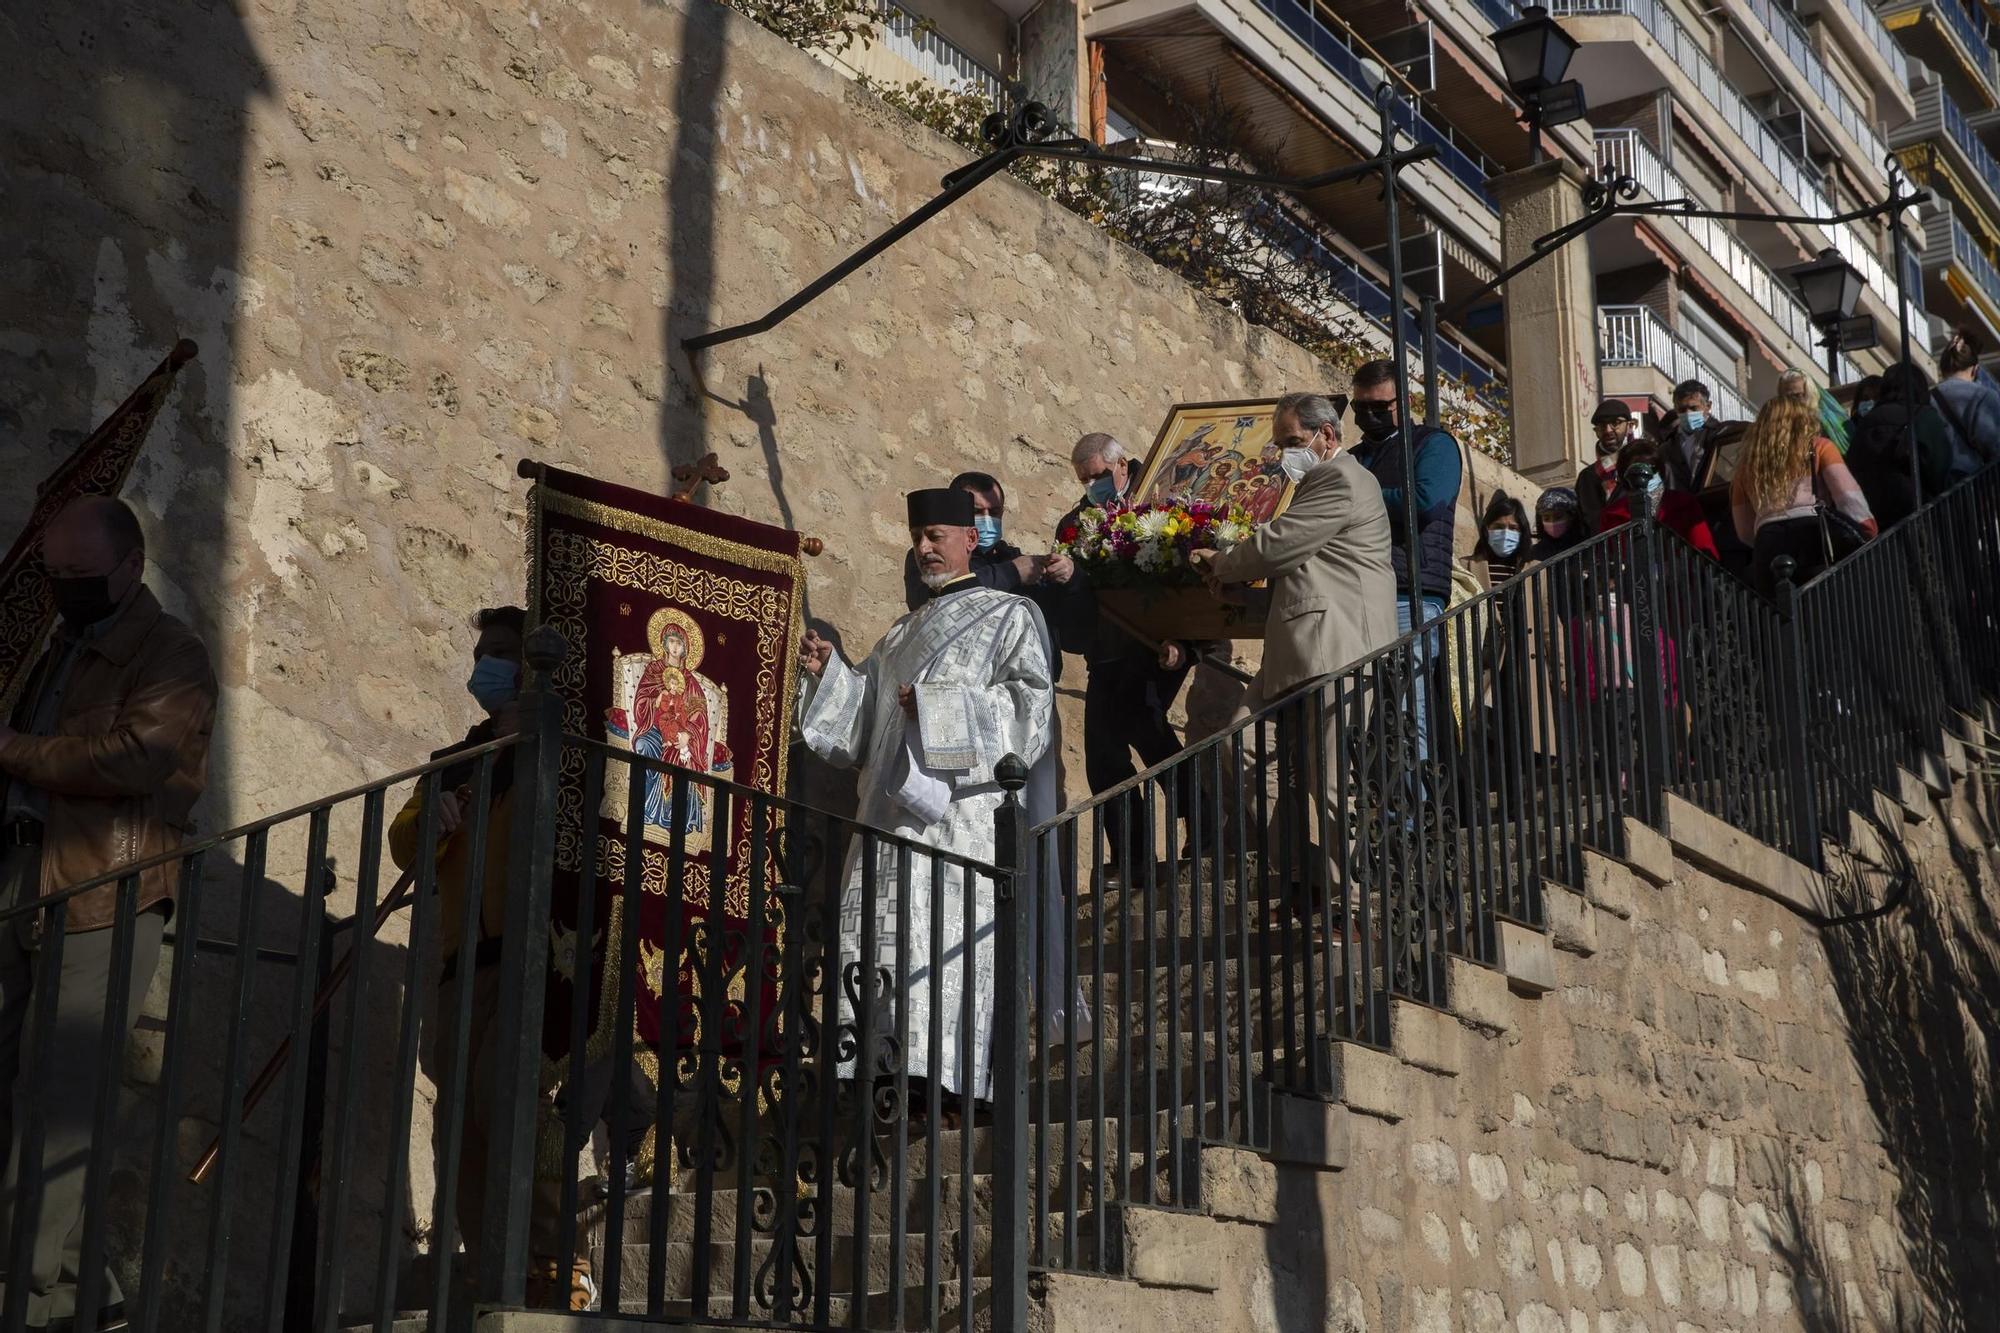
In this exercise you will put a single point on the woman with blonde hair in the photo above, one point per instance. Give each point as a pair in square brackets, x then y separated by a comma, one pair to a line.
[1793, 495]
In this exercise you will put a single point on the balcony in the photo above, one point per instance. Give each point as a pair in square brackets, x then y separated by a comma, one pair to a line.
[1864, 17]
[1791, 38]
[1336, 47]
[1633, 337]
[1948, 35]
[1953, 252]
[1942, 131]
[1625, 151]
[1360, 290]
[1798, 182]
[1299, 82]
[919, 46]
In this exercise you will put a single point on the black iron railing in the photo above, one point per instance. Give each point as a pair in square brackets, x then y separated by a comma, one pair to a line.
[1150, 971]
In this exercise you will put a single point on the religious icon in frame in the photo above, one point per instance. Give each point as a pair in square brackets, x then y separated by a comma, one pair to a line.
[1220, 453]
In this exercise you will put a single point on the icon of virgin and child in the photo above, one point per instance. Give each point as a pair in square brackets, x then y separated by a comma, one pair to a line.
[663, 708]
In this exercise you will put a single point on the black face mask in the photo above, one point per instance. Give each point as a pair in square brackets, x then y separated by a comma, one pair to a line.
[84, 601]
[1375, 419]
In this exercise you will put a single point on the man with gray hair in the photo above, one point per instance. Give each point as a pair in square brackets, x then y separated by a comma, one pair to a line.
[1333, 600]
[1131, 684]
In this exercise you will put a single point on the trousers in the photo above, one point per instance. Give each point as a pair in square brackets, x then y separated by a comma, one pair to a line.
[67, 1088]
[1125, 703]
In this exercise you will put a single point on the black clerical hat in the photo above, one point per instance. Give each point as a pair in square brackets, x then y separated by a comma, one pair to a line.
[939, 505]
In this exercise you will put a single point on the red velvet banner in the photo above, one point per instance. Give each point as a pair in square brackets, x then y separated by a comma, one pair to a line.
[683, 626]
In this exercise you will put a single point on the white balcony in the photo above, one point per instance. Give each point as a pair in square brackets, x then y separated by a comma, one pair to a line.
[1633, 337]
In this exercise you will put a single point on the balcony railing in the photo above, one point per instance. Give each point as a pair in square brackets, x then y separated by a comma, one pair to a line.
[1799, 181]
[1961, 133]
[1970, 30]
[1885, 43]
[1627, 152]
[1343, 53]
[1632, 335]
[906, 36]
[1358, 289]
[1965, 252]
[1791, 36]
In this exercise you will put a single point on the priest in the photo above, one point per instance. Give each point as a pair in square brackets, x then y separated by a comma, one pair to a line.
[953, 688]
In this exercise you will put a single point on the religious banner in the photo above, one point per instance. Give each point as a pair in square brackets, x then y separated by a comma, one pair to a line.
[99, 466]
[683, 626]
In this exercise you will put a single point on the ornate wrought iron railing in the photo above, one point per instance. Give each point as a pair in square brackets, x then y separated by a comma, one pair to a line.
[1167, 961]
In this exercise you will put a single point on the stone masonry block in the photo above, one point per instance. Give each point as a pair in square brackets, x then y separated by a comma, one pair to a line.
[1608, 884]
[1572, 921]
[1480, 998]
[1935, 773]
[1957, 761]
[1370, 1081]
[1426, 1038]
[1911, 794]
[1239, 1186]
[1528, 958]
[1728, 853]
[1172, 1249]
[1305, 1131]
[1647, 852]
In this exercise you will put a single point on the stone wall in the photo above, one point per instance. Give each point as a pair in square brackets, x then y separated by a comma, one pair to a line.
[418, 240]
[421, 239]
[1722, 1116]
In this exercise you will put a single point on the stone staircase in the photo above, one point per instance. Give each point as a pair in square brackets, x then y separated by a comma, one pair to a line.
[1180, 1162]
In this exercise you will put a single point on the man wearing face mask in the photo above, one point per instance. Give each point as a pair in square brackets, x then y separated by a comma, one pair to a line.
[495, 685]
[101, 764]
[1691, 435]
[1438, 474]
[1612, 424]
[997, 564]
[1333, 583]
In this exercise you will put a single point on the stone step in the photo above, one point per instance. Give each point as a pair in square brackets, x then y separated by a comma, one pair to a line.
[911, 1200]
[907, 1308]
[884, 1271]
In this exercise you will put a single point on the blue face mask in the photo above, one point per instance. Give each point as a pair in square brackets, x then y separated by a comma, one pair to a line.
[1694, 420]
[988, 528]
[494, 682]
[1864, 407]
[1101, 491]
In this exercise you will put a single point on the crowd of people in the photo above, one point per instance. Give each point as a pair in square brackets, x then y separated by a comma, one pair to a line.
[104, 756]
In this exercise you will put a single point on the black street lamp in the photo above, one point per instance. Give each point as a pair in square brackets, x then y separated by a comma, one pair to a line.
[1828, 287]
[1534, 55]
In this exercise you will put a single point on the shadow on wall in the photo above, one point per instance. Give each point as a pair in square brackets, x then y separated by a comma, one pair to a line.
[123, 206]
[1920, 989]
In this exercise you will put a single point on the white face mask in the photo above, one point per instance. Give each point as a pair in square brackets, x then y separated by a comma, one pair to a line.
[1297, 462]
[1504, 541]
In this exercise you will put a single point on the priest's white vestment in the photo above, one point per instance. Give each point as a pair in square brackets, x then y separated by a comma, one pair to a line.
[980, 665]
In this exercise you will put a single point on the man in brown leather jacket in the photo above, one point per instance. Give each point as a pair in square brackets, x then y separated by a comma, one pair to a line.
[100, 765]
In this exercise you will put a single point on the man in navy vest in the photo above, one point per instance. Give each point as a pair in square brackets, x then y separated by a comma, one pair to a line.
[1438, 476]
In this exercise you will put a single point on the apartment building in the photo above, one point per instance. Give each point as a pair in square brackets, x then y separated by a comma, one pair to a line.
[1781, 110]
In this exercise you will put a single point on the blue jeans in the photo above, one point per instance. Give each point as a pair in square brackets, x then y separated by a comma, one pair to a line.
[1433, 648]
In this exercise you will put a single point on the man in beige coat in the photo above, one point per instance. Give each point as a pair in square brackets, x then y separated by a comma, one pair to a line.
[1333, 588]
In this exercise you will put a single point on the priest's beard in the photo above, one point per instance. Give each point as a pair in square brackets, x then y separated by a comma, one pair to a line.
[936, 578]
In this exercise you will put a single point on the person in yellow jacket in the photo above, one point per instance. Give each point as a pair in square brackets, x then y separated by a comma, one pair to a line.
[495, 686]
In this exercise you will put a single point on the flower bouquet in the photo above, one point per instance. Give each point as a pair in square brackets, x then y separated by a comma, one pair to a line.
[1136, 559]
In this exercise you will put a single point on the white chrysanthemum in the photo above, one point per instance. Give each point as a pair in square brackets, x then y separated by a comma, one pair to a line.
[1153, 523]
[1229, 532]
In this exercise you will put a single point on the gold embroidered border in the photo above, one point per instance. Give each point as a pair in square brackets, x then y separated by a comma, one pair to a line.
[568, 557]
[643, 525]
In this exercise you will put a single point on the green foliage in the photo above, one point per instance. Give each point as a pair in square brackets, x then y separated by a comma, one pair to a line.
[831, 26]
[1216, 237]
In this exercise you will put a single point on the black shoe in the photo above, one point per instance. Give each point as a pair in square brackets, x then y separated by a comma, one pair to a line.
[109, 1319]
